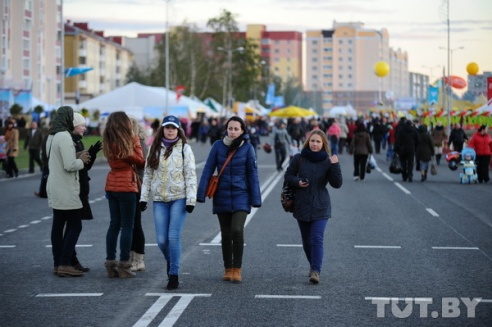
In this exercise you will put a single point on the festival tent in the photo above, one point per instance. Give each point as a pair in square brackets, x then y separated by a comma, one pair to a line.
[336, 111]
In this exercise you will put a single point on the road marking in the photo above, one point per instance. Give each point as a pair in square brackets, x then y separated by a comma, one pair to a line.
[68, 294]
[432, 212]
[77, 246]
[388, 177]
[46, 217]
[402, 188]
[304, 297]
[161, 302]
[395, 299]
[455, 248]
[269, 185]
[34, 222]
[22, 226]
[377, 246]
[290, 245]
[150, 244]
[10, 230]
[7, 246]
[486, 301]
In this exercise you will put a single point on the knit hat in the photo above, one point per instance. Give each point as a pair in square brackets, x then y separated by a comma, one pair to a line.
[78, 119]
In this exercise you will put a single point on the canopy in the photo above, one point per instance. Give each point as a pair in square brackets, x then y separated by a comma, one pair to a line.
[140, 100]
[292, 112]
[337, 111]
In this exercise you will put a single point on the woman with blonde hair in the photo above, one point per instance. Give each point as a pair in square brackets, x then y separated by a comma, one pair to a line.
[124, 153]
[309, 173]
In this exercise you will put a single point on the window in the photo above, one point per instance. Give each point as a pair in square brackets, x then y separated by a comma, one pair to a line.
[314, 42]
[315, 51]
[82, 61]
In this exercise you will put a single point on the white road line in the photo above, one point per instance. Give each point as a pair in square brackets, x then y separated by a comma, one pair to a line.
[432, 212]
[46, 217]
[485, 301]
[10, 230]
[269, 185]
[68, 294]
[34, 222]
[455, 248]
[290, 245]
[22, 226]
[209, 244]
[388, 177]
[402, 188]
[304, 297]
[150, 244]
[77, 246]
[394, 299]
[7, 246]
[377, 246]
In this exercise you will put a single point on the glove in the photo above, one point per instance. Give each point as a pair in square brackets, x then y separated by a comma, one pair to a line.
[143, 206]
[189, 209]
[94, 149]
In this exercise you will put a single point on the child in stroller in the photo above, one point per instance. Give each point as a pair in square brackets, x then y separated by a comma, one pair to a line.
[469, 173]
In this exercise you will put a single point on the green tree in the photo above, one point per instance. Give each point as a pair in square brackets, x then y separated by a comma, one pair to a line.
[16, 109]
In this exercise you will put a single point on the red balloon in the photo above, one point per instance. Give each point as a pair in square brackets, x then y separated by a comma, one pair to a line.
[455, 81]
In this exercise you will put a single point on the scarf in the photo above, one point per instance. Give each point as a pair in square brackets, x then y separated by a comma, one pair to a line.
[63, 120]
[234, 144]
[169, 143]
[314, 156]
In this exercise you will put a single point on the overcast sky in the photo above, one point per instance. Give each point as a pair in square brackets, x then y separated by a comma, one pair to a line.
[415, 26]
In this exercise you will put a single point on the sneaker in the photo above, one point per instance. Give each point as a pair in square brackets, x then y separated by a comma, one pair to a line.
[314, 277]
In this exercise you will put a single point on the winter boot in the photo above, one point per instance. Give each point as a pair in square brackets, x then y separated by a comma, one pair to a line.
[173, 282]
[236, 275]
[138, 263]
[227, 274]
[125, 269]
[69, 271]
[111, 268]
[438, 158]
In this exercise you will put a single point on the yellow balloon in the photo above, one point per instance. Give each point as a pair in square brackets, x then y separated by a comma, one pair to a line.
[381, 68]
[472, 68]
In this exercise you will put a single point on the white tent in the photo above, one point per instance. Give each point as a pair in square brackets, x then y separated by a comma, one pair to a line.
[347, 111]
[139, 100]
[485, 108]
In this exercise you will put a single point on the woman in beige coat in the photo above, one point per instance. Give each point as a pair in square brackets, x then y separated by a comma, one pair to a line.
[12, 149]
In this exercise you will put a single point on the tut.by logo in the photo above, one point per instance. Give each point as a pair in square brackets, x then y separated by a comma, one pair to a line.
[404, 307]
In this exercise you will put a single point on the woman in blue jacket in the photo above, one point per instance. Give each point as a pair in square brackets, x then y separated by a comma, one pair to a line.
[309, 173]
[238, 190]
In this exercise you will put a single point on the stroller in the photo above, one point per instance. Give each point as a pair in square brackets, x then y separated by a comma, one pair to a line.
[469, 173]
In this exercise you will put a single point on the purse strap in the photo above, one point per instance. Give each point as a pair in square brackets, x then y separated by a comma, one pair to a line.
[226, 162]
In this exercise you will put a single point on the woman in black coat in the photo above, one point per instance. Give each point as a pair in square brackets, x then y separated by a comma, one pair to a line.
[309, 173]
[407, 140]
[425, 151]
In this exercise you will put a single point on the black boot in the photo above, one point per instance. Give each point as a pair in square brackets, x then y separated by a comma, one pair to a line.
[438, 158]
[173, 282]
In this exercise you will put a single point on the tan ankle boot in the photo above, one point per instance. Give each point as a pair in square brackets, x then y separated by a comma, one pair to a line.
[138, 263]
[125, 269]
[236, 275]
[111, 268]
[227, 274]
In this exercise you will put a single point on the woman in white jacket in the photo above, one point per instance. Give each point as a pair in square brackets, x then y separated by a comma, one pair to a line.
[63, 190]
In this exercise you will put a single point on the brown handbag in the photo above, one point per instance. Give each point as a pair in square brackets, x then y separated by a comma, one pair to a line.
[214, 180]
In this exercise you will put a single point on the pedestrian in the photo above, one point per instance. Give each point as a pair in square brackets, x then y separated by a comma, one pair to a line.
[407, 140]
[170, 176]
[79, 129]
[33, 142]
[137, 253]
[238, 190]
[214, 131]
[439, 138]
[424, 151]
[12, 148]
[281, 141]
[63, 189]
[124, 154]
[342, 141]
[457, 138]
[361, 148]
[46, 170]
[309, 173]
[334, 135]
[481, 142]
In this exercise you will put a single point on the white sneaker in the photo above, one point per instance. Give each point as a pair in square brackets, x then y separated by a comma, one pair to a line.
[356, 178]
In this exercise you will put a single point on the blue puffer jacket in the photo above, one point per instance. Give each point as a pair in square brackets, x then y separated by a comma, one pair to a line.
[239, 187]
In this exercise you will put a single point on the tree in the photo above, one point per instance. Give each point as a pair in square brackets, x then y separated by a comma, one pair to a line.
[16, 109]
[38, 109]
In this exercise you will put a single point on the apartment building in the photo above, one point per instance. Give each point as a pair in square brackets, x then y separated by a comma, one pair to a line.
[30, 49]
[477, 84]
[85, 48]
[339, 67]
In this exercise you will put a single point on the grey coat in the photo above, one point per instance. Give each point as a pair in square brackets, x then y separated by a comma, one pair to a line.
[313, 202]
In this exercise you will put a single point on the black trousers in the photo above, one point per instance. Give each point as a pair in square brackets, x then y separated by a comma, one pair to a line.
[407, 160]
[138, 239]
[483, 163]
[34, 156]
[232, 232]
[65, 233]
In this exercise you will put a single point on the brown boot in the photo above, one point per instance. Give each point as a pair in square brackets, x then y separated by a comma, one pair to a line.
[236, 275]
[125, 269]
[138, 263]
[227, 274]
[68, 271]
[111, 268]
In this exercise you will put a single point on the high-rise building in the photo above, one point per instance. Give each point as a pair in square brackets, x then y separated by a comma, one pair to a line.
[85, 48]
[30, 48]
[477, 84]
[339, 67]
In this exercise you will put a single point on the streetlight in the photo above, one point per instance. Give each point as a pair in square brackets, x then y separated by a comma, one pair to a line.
[431, 70]
[229, 74]
[4, 104]
[167, 59]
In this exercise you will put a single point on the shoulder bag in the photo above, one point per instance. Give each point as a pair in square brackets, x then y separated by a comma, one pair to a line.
[214, 180]
[288, 194]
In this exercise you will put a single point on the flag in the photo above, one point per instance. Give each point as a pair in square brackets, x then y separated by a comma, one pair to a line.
[72, 71]
[179, 91]
[433, 95]
[270, 96]
[489, 88]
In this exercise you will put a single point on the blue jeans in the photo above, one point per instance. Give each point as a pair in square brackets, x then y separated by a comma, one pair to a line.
[312, 233]
[122, 206]
[169, 219]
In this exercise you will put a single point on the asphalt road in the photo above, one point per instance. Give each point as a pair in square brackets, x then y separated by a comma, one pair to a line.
[396, 254]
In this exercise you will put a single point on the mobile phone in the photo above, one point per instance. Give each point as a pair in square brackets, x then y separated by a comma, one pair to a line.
[305, 180]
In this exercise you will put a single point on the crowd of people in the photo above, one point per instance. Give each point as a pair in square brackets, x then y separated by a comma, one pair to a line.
[160, 168]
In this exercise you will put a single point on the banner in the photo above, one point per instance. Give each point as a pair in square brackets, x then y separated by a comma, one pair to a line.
[432, 95]
[6, 101]
[489, 88]
[270, 96]
[24, 99]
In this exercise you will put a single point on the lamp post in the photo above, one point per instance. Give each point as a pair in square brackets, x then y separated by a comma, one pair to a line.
[229, 52]
[448, 85]
[3, 104]
[166, 110]
[431, 70]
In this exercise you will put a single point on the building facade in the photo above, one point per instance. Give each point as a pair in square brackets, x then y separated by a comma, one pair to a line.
[339, 67]
[477, 84]
[31, 48]
[109, 60]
